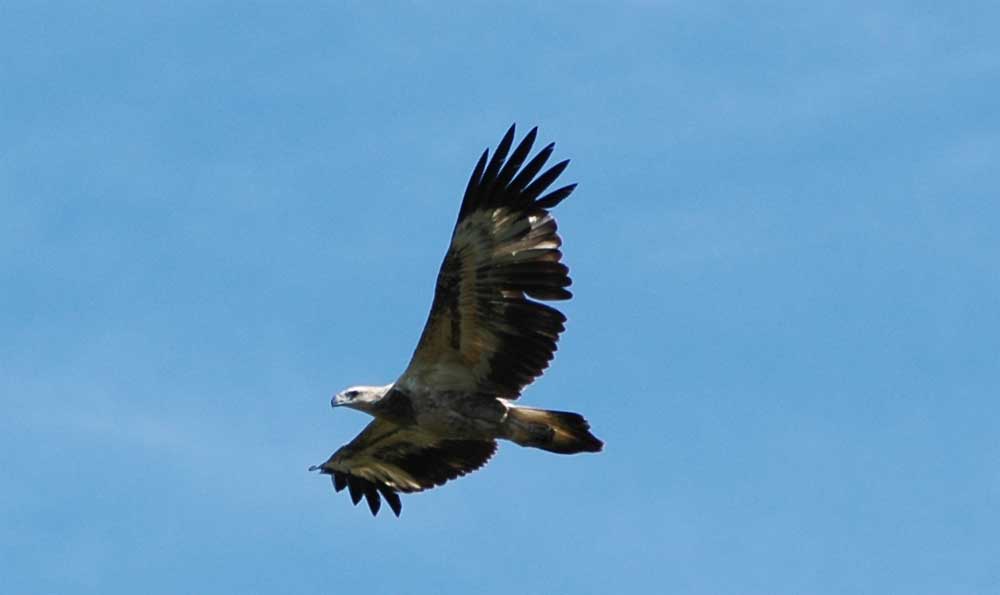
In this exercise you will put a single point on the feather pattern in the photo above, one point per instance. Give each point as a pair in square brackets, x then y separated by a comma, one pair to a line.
[488, 331]
[385, 459]
[488, 335]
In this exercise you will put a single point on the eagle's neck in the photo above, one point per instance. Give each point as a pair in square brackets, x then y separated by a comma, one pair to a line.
[395, 406]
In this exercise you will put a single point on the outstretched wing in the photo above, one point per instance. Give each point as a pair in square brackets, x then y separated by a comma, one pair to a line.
[385, 459]
[486, 332]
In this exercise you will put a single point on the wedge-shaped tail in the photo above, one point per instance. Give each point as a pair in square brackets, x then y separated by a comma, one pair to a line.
[563, 432]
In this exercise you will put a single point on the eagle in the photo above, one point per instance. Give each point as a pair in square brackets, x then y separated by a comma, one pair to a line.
[487, 337]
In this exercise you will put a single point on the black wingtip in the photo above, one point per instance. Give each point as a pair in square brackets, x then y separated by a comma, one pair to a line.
[371, 496]
[516, 159]
[555, 197]
[474, 181]
[544, 181]
[392, 499]
[499, 155]
[522, 179]
[339, 482]
[368, 490]
[356, 489]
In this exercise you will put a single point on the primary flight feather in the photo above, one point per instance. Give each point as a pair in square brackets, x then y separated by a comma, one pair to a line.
[488, 336]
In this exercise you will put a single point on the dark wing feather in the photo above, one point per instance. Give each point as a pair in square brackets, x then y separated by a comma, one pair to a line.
[486, 332]
[385, 459]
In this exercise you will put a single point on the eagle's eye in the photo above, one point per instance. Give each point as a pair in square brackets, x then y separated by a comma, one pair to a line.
[351, 394]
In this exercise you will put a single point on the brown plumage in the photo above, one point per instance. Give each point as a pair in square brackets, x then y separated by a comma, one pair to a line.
[488, 336]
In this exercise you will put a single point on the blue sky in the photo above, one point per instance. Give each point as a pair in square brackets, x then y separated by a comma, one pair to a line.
[786, 323]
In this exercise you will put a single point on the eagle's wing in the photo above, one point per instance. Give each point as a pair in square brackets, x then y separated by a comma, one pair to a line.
[484, 333]
[386, 458]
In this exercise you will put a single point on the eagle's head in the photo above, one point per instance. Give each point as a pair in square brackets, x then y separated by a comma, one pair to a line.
[362, 398]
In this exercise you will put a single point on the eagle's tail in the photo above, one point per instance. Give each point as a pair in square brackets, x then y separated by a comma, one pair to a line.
[563, 432]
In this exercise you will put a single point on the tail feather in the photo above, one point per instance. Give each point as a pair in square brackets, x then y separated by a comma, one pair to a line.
[563, 432]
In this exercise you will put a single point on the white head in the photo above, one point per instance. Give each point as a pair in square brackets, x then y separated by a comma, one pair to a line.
[362, 398]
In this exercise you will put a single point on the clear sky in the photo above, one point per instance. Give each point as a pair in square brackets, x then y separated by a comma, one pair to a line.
[786, 325]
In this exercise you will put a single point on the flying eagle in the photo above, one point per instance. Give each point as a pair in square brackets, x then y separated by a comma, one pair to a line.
[487, 337]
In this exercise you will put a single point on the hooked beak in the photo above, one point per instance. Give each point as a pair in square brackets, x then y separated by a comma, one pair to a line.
[337, 401]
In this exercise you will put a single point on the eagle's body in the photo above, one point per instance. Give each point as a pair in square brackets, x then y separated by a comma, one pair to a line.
[445, 414]
[487, 337]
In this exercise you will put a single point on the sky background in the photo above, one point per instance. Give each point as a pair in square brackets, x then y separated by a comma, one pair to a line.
[786, 326]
